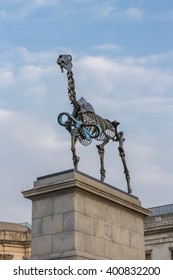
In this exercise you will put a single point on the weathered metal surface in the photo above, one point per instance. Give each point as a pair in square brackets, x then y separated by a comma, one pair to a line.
[84, 124]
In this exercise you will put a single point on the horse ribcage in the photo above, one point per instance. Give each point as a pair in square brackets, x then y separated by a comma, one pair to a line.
[108, 130]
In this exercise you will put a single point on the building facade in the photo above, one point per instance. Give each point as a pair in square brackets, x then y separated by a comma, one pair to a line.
[15, 241]
[158, 232]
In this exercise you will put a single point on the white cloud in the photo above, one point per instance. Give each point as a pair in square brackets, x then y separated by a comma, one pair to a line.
[114, 10]
[159, 59]
[3, 14]
[139, 97]
[5, 115]
[108, 76]
[29, 148]
[20, 127]
[45, 2]
[6, 77]
[107, 47]
[106, 11]
[19, 9]
[133, 13]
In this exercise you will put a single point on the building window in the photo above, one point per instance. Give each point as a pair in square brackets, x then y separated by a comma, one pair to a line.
[148, 255]
[171, 251]
[6, 256]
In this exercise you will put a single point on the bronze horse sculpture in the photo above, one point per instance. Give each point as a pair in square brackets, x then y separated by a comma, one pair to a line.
[84, 124]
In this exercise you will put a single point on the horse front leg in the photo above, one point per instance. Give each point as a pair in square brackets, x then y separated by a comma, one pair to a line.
[73, 149]
[101, 152]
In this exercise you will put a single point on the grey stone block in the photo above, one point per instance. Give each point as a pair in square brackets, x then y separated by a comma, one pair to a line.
[58, 223]
[52, 224]
[94, 208]
[113, 215]
[79, 203]
[80, 242]
[140, 226]
[41, 245]
[63, 242]
[47, 225]
[95, 245]
[134, 239]
[125, 237]
[69, 221]
[42, 207]
[117, 234]
[128, 221]
[103, 230]
[129, 253]
[113, 251]
[63, 203]
[36, 227]
[141, 254]
[84, 223]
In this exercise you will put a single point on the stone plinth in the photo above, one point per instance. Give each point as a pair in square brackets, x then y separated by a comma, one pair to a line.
[75, 216]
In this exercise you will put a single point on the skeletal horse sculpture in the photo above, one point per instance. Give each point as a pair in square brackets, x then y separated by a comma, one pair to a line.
[84, 125]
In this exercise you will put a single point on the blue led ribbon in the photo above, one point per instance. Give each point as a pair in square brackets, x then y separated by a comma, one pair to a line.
[82, 127]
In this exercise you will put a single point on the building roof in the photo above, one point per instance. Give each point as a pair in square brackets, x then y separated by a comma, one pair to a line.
[162, 210]
[13, 227]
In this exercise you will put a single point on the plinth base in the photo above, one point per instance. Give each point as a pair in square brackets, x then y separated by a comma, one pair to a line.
[75, 216]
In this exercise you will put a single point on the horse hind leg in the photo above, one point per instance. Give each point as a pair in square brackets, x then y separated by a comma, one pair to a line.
[73, 149]
[126, 171]
[101, 152]
[120, 139]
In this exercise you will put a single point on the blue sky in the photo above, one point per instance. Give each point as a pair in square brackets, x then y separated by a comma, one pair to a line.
[122, 62]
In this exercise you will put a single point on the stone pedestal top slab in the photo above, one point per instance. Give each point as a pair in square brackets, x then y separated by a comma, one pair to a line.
[70, 179]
